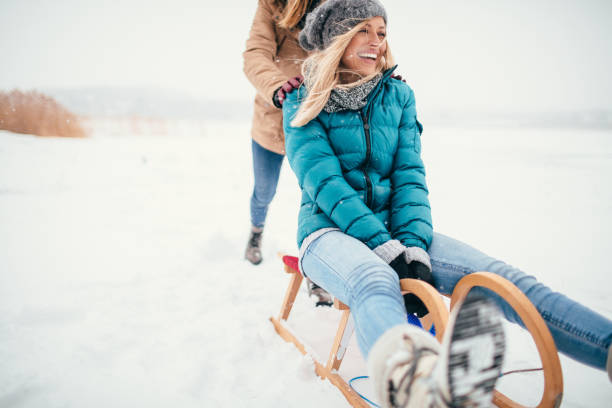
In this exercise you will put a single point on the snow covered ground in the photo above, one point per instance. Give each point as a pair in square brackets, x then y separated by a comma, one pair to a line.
[122, 282]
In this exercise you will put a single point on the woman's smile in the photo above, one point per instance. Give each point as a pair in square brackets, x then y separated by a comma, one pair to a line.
[368, 55]
[366, 48]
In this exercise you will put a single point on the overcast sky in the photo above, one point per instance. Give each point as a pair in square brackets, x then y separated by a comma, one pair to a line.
[517, 55]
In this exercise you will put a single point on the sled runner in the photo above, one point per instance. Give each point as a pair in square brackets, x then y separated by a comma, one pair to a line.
[438, 316]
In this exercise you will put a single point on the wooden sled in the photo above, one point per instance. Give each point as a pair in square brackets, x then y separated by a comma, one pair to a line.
[438, 316]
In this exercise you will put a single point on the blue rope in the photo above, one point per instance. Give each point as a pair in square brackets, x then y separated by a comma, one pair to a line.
[412, 319]
[361, 377]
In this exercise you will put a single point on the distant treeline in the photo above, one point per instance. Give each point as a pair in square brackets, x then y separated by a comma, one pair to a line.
[127, 102]
[34, 113]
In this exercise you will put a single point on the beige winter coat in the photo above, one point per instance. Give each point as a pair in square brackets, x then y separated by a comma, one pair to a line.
[272, 56]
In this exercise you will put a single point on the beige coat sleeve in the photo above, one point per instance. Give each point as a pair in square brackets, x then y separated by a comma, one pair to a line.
[260, 54]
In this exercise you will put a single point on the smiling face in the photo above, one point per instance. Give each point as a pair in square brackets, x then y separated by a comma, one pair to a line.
[364, 52]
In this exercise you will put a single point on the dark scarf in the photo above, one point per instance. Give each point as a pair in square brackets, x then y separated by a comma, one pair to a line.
[353, 98]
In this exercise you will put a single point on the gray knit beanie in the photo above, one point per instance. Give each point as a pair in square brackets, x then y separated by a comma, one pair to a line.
[336, 17]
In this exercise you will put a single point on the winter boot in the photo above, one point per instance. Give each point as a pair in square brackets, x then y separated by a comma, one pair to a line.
[321, 296]
[253, 249]
[410, 369]
[401, 357]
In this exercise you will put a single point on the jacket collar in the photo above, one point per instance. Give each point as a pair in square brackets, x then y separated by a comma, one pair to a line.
[386, 75]
[389, 72]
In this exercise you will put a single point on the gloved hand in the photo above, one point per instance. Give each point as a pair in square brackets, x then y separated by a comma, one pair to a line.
[398, 77]
[408, 262]
[280, 94]
[412, 270]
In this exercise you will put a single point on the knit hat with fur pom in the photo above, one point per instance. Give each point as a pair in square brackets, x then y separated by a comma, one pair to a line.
[336, 17]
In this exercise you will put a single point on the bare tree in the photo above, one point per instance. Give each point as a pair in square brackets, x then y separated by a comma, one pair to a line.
[35, 113]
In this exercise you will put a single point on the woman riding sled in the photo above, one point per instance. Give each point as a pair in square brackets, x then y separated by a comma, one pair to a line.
[353, 141]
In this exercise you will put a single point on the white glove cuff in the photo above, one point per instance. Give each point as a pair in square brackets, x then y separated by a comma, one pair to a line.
[417, 254]
[389, 250]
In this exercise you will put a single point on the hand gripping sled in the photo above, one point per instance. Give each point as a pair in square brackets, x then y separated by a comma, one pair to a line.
[438, 316]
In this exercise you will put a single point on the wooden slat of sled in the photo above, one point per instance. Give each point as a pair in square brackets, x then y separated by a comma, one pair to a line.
[328, 371]
[322, 371]
[438, 314]
[553, 377]
[291, 293]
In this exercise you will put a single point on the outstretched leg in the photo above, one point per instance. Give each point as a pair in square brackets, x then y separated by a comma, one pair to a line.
[578, 331]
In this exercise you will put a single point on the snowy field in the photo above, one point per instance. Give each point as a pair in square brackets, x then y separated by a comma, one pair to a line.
[122, 282]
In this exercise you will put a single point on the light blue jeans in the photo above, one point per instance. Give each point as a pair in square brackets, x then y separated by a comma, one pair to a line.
[350, 271]
[266, 171]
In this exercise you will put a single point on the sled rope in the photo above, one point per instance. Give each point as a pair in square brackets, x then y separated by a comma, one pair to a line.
[361, 377]
[521, 370]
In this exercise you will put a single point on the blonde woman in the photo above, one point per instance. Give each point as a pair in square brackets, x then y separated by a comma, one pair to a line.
[353, 141]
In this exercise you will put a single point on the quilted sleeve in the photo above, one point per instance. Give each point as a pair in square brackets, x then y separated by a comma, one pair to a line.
[410, 211]
[260, 53]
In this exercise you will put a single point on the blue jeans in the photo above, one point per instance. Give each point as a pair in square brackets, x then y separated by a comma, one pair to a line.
[266, 170]
[350, 271]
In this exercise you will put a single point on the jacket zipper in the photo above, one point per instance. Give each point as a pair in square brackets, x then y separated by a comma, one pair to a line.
[366, 128]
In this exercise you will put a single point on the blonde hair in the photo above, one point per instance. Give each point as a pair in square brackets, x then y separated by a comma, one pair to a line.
[321, 71]
[292, 13]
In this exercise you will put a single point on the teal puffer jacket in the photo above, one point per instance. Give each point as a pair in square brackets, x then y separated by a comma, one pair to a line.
[361, 171]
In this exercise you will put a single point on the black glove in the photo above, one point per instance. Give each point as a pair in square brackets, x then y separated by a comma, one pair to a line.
[412, 270]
